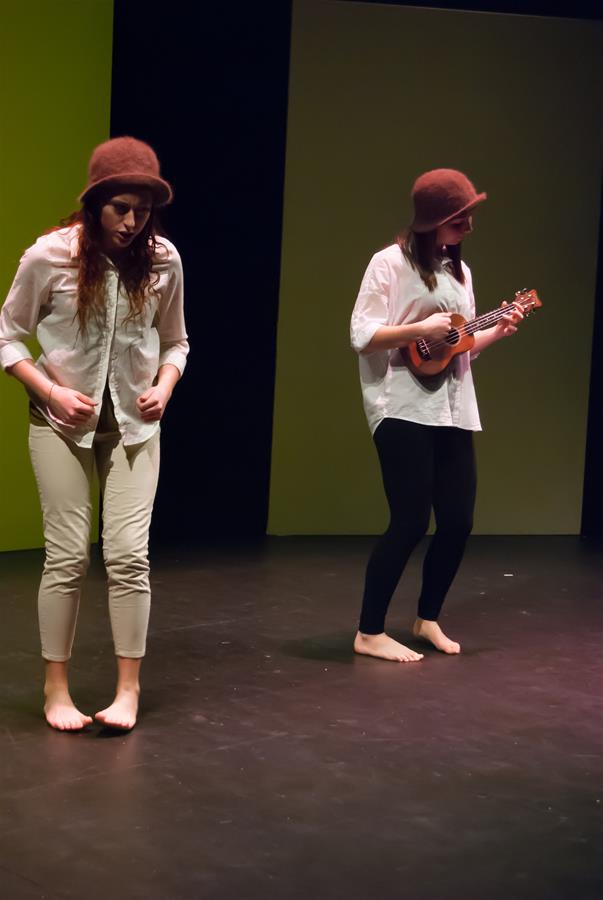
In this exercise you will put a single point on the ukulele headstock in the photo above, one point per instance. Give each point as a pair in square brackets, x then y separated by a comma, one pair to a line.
[527, 300]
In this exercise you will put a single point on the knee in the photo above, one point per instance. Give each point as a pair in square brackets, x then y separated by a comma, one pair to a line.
[127, 566]
[409, 530]
[69, 565]
[457, 528]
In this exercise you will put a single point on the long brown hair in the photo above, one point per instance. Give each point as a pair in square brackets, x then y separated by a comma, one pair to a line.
[135, 265]
[423, 254]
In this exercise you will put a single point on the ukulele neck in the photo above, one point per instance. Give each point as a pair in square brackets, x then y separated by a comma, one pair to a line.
[487, 320]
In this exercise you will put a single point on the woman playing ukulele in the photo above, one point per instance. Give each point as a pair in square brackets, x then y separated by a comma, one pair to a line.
[422, 425]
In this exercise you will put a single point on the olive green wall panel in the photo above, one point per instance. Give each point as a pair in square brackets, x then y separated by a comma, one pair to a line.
[379, 94]
[55, 90]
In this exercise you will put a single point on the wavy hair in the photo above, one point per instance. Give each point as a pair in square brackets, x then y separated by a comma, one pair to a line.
[135, 266]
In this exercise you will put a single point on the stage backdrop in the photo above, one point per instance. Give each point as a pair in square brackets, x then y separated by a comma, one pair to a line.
[379, 94]
[55, 84]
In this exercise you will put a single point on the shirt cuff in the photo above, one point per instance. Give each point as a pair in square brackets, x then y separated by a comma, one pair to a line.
[174, 356]
[12, 353]
[362, 336]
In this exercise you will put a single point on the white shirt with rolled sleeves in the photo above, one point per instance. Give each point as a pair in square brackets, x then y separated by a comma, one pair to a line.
[392, 293]
[126, 357]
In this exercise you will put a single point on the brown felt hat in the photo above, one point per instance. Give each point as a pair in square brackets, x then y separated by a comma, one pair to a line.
[440, 195]
[126, 161]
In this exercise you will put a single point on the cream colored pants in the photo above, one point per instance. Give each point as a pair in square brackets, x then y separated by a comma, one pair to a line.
[128, 479]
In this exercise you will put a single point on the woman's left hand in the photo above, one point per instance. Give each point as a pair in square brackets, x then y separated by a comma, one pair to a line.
[153, 402]
[508, 323]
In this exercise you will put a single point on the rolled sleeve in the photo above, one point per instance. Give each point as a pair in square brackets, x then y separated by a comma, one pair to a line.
[12, 352]
[371, 310]
[21, 310]
[174, 354]
[174, 346]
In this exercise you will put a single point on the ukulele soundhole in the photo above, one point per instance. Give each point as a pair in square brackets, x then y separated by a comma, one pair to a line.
[453, 337]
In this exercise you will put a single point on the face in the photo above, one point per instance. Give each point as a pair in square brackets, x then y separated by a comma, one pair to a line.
[123, 217]
[454, 231]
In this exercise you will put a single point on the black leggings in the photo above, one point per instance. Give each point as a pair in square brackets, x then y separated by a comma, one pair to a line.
[423, 466]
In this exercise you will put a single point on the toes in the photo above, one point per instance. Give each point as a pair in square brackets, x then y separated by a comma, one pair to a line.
[113, 719]
[66, 718]
[121, 724]
[411, 657]
[57, 722]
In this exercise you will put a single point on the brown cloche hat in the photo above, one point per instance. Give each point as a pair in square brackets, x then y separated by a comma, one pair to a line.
[126, 161]
[440, 195]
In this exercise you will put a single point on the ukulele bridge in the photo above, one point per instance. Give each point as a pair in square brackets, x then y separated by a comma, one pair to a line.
[423, 350]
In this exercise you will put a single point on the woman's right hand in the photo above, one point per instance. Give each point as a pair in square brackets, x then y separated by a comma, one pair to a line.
[436, 326]
[70, 407]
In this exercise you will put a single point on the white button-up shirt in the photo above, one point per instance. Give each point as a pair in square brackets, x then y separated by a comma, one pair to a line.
[392, 293]
[124, 357]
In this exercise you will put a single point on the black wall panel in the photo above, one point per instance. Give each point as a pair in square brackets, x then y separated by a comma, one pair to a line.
[206, 86]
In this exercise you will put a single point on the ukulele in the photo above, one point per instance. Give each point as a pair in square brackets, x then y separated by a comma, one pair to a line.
[428, 356]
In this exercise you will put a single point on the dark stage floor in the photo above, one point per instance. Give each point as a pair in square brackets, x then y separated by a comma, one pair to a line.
[269, 762]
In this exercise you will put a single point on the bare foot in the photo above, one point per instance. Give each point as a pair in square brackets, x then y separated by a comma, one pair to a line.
[384, 647]
[122, 712]
[431, 631]
[61, 712]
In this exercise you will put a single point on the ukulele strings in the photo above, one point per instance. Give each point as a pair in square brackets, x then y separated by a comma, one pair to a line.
[475, 325]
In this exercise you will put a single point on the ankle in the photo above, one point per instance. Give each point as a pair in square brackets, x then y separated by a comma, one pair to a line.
[55, 677]
[128, 688]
